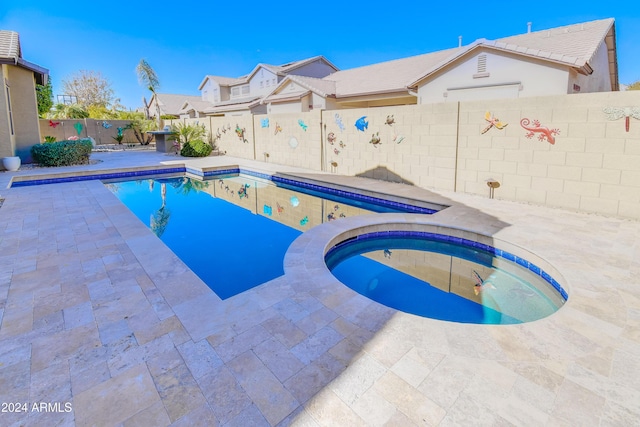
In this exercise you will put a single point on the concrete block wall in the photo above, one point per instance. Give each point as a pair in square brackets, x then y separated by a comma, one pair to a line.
[419, 147]
[226, 132]
[289, 139]
[593, 166]
[101, 131]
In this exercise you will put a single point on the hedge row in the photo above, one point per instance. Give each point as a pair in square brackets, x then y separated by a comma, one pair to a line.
[62, 153]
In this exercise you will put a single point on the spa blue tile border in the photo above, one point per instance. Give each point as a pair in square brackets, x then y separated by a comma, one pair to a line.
[458, 241]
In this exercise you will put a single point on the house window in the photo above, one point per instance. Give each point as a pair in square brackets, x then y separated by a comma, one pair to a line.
[245, 90]
[6, 85]
[235, 92]
[273, 81]
[261, 83]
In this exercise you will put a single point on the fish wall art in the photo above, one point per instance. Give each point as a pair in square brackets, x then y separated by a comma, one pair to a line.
[362, 124]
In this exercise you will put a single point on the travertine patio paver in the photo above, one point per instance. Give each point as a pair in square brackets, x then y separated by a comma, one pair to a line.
[97, 312]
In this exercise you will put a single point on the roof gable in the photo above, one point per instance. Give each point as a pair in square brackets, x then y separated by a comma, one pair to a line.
[573, 46]
[322, 87]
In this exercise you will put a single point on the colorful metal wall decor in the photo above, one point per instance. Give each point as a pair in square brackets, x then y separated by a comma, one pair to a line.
[264, 123]
[78, 126]
[106, 124]
[339, 123]
[294, 201]
[362, 123]
[278, 129]
[303, 125]
[545, 134]
[242, 192]
[331, 138]
[266, 209]
[390, 120]
[240, 132]
[304, 221]
[398, 139]
[293, 142]
[493, 122]
[375, 139]
[280, 208]
[53, 124]
[332, 215]
[615, 113]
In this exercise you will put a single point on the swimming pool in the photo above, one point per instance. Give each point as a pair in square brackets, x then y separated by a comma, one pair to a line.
[233, 230]
[446, 278]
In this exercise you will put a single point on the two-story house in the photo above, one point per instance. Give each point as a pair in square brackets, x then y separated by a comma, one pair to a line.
[242, 95]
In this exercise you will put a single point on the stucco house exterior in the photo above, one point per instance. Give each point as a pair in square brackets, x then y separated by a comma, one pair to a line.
[242, 95]
[19, 128]
[577, 58]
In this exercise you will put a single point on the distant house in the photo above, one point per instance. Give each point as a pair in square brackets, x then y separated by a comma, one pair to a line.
[577, 58]
[174, 105]
[242, 95]
[19, 129]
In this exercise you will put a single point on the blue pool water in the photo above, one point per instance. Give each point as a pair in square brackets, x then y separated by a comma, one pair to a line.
[443, 280]
[232, 231]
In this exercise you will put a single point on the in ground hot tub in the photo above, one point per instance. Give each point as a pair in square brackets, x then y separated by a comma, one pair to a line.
[445, 277]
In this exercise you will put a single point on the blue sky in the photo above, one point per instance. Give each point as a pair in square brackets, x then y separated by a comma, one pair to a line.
[185, 43]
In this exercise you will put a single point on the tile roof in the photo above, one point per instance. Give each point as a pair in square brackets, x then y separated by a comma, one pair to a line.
[287, 96]
[220, 108]
[11, 52]
[280, 70]
[10, 45]
[389, 76]
[322, 87]
[172, 103]
[573, 44]
[198, 105]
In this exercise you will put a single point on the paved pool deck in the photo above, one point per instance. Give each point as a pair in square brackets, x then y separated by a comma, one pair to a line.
[102, 322]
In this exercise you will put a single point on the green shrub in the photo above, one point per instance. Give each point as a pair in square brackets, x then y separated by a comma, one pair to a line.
[62, 153]
[196, 148]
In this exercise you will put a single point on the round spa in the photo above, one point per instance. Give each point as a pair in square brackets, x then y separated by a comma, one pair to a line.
[444, 277]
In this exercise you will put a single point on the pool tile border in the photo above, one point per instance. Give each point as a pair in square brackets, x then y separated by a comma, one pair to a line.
[399, 206]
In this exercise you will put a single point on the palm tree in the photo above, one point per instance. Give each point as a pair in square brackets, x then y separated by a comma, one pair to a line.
[160, 219]
[148, 77]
